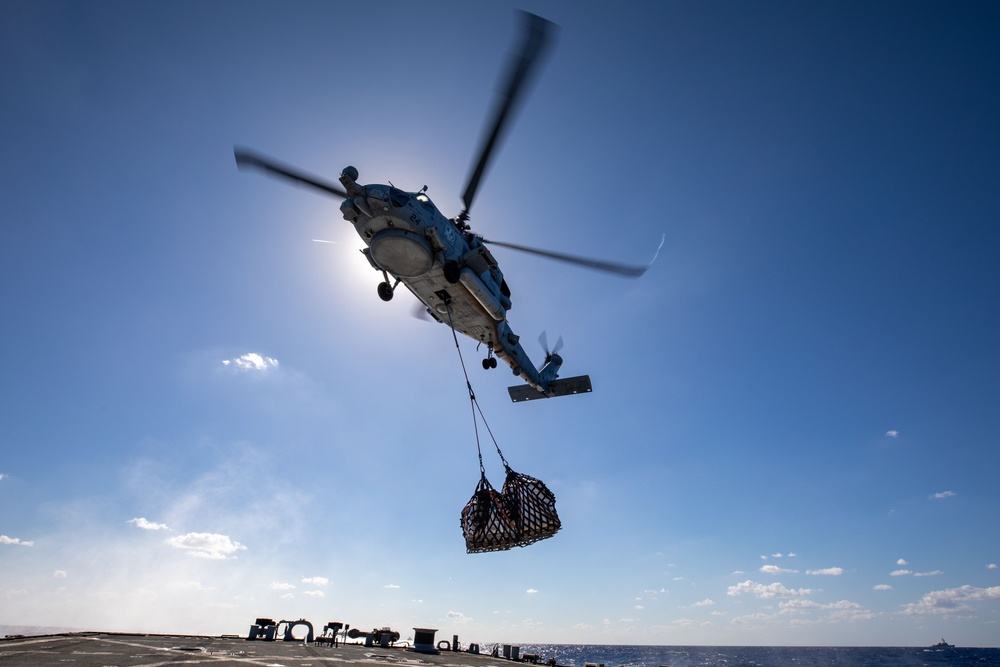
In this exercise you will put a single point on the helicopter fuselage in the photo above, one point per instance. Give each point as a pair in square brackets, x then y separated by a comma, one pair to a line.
[448, 269]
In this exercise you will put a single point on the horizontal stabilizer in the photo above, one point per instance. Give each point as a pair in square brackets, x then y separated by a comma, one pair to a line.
[567, 387]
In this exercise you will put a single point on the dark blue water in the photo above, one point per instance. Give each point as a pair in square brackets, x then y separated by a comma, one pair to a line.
[576, 655]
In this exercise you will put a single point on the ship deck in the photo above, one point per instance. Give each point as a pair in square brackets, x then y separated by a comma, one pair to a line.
[94, 649]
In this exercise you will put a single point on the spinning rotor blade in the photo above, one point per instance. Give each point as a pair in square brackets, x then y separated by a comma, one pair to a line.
[246, 159]
[596, 264]
[544, 340]
[536, 38]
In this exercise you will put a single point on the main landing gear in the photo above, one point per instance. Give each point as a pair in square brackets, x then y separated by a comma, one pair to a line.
[385, 290]
[490, 361]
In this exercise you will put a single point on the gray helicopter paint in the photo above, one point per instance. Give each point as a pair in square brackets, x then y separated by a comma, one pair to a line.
[414, 233]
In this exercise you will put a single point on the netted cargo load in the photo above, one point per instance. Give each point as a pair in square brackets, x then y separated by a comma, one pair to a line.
[521, 514]
[531, 506]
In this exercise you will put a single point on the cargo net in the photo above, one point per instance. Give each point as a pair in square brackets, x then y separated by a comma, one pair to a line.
[522, 513]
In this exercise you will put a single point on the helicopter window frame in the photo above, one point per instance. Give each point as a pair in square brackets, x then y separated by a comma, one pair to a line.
[426, 202]
[398, 198]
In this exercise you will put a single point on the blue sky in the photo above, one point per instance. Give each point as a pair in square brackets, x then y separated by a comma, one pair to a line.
[208, 417]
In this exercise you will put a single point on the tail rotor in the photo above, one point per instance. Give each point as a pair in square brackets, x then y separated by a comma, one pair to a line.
[553, 354]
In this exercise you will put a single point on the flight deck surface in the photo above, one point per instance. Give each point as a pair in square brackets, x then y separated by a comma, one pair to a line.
[93, 649]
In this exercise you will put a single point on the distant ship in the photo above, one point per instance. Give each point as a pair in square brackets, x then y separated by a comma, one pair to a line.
[942, 645]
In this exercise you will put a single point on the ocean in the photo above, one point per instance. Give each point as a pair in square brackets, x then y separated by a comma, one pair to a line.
[576, 655]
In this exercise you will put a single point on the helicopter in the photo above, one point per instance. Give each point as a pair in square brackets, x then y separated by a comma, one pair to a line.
[446, 266]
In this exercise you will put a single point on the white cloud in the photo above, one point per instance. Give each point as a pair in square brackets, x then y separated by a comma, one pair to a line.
[708, 602]
[281, 586]
[901, 561]
[775, 590]
[3, 476]
[457, 617]
[251, 362]
[900, 573]
[991, 566]
[840, 610]
[391, 586]
[882, 587]
[316, 581]
[774, 569]
[932, 573]
[951, 600]
[943, 494]
[797, 605]
[140, 522]
[206, 545]
[60, 574]
[314, 594]
[192, 586]
[844, 609]
[893, 433]
[16, 541]
[827, 571]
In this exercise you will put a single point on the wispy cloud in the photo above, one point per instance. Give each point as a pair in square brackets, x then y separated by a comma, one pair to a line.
[16, 541]
[932, 573]
[3, 476]
[251, 362]
[458, 617]
[882, 587]
[774, 569]
[992, 566]
[900, 573]
[189, 585]
[206, 545]
[892, 433]
[840, 610]
[281, 586]
[708, 602]
[316, 581]
[140, 522]
[314, 594]
[827, 571]
[531, 590]
[60, 574]
[943, 494]
[951, 600]
[775, 590]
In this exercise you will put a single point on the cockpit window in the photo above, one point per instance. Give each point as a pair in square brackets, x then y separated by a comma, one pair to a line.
[426, 201]
[398, 197]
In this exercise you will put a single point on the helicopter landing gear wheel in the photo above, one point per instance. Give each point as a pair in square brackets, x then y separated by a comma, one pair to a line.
[452, 272]
[385, 291]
